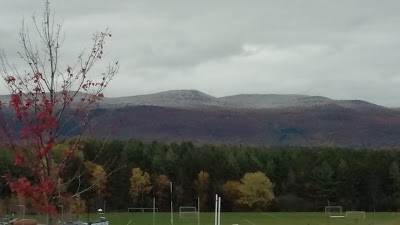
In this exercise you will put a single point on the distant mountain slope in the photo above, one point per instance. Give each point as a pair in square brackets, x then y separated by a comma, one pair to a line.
[4, 98]
[190, 115]
[272, 101]
[312, 126]
[174, 98]
[193, 99]
[254, 119]
[291, 101]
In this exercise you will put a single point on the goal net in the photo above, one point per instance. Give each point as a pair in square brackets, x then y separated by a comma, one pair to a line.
[188, 211]
[355, 215]
[334, 211]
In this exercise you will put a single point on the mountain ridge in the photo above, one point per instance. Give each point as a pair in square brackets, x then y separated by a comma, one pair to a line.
[252, 119]
[194, 99]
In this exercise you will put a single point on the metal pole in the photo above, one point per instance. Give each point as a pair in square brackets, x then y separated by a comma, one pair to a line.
[154, 211]
[219, 210]
[172, 210]
[216, 210]
[198, 211]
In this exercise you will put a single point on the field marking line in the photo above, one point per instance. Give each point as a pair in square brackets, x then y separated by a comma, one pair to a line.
[249, 222]
[129, 222]
[268, 214]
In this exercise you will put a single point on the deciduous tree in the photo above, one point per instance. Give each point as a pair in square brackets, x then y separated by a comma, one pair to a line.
[161, 188]
[77, 206]
[140, 184]
[256, 190]
[48, 99]
[202, 184]
[231, 190]
[98, 178]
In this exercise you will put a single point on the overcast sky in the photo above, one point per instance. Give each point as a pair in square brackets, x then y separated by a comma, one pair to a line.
[342, 49]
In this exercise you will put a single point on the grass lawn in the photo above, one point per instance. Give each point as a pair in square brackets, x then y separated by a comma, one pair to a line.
[260, 218]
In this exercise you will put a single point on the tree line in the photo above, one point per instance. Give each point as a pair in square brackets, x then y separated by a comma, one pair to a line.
[130, 173]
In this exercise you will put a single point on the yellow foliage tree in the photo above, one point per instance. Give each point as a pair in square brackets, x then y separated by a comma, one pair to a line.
[140, 183]
[77, 206]
[231, 190]
[256, 190]
[98, 179]
[202, 183]
[98, 176]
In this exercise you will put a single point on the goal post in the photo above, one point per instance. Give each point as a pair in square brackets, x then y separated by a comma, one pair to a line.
[334, 211]
[333, 208]
[355, 215]
[144, 214]
[142, 209]
[190, 213]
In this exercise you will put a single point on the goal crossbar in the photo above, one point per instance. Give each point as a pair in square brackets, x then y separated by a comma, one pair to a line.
[355, 214]
[142, 209]
[333, 209]
[187, 209]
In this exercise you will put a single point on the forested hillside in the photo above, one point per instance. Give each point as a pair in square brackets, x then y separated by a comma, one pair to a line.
[304, 179]
[310, 126]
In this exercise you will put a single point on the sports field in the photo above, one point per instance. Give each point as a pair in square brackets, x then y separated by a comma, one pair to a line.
[260, 218]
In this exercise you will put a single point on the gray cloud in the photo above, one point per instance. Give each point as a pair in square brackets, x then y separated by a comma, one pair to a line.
[339, 49]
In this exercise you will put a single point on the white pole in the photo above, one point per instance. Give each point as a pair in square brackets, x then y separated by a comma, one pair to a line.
[219, 210]
[216, 210]
[154, 211]
[198, 211]
[172, 209]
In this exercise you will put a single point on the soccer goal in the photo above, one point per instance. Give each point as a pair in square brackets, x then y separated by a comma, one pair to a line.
[334, 211]
[188, 211]
[355, 215]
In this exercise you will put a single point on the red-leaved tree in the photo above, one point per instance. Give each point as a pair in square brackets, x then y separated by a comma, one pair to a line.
[47, 100]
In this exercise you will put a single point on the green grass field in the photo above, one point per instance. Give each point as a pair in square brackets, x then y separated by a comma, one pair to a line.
[260, 218]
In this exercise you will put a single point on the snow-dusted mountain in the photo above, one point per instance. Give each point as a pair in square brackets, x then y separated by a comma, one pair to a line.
[193, 99]
[190, 115]
[174, 98]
